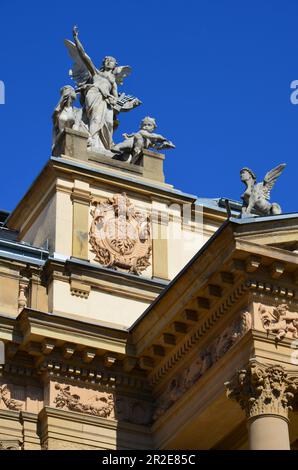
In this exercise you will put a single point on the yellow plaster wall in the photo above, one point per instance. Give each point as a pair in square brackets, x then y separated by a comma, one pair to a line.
[64, 215]
[43, 228]
[99, 305]
[185, 238]
[9, 290]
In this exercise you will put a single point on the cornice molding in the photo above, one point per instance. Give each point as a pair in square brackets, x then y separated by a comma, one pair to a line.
[98, 376]
[267, 289]
[196, 335]
[135, 183]
[108, 280]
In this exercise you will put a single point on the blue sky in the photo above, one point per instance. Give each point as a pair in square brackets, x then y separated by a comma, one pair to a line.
[215, 74]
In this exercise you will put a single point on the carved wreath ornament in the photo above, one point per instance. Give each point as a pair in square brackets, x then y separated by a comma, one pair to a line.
[100, 405]
[120, 236]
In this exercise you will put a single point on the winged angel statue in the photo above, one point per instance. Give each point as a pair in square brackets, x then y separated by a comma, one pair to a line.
[98, 93]
[256, 198]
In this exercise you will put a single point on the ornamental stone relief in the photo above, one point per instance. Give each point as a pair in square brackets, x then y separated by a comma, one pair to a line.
[206, 358]
[279, 321]
[99, 404]
[23, 294]
[18, 397]
[263, 389]
[120, 236]
[7, 401]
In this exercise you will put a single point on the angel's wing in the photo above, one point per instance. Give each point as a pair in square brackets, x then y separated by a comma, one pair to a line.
[270, 179]
[121, 73]
[79, 71]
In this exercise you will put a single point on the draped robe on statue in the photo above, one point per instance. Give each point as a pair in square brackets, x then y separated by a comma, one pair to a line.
[99, 111]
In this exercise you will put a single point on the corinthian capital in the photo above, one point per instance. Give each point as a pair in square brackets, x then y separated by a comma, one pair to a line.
[263, 389]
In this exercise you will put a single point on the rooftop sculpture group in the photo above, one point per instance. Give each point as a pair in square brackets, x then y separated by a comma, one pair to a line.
[101, 103]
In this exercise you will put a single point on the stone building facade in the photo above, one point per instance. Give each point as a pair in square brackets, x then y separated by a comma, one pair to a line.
[135, 316]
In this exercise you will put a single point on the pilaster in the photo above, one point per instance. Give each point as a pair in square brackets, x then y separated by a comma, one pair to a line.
[159, 243]
[81, 199]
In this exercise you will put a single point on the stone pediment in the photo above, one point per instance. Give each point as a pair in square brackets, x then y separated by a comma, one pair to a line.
[230, 257]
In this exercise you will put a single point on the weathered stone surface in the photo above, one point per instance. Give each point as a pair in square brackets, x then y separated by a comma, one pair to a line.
[263, 389]
[256, 198]
[120, 235]
[132, 147]
[99, 96]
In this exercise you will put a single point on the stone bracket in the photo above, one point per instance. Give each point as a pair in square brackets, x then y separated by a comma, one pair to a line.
[79, 289]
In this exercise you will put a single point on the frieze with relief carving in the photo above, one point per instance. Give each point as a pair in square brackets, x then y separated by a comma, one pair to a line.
[120, 236]
[205, 359]
[279, 321]
[6, 399]
[100, 404]
[16, 396]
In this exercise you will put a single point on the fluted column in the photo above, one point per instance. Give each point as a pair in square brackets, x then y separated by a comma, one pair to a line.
[265, 393]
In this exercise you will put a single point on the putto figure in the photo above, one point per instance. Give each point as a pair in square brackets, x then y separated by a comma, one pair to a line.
[133, 145]
[256, 198]
[98, 93]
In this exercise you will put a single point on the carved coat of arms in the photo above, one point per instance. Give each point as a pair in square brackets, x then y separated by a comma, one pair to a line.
[120, 236]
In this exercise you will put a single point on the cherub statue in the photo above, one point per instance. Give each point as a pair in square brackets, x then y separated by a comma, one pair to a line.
[256, 198]
[133, 145]
[99, 93]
